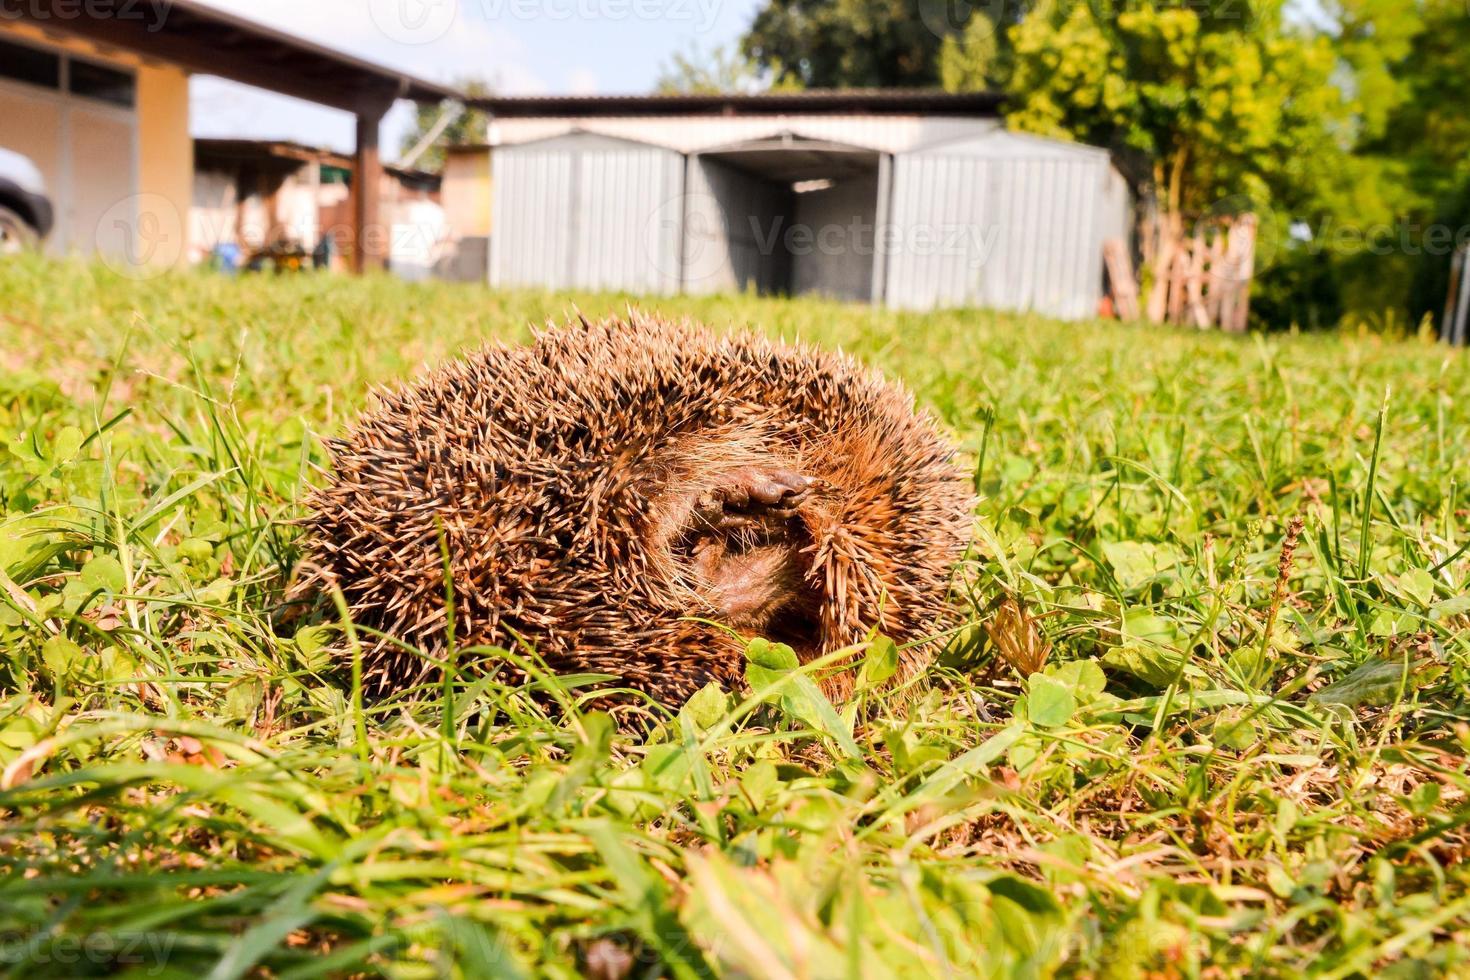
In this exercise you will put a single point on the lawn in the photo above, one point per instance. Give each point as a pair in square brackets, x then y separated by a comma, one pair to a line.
[1243, 752]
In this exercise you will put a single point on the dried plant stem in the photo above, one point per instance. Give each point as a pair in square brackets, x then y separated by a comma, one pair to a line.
[1278, 595]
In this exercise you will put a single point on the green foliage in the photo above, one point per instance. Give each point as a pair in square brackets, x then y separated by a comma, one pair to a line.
[188, 784]
[1215, 100]
[844, 43]
[970, 59]
[1421, 53]
[718, 69]
[466, 126]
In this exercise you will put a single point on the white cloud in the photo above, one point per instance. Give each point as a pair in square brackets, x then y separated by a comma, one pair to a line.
[582, 81]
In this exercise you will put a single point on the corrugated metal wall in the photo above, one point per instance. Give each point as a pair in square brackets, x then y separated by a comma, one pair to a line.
[1002, 221]
[583, 211]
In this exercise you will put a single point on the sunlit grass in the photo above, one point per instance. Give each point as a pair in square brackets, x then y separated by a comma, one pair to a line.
[1244, 751]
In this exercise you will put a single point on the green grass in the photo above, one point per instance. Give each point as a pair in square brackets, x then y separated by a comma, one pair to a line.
[1216, 773]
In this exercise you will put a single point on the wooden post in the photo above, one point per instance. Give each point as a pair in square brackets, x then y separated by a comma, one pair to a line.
[1194, 286]
[1452, 298]
[370, 240]
[1122, 283]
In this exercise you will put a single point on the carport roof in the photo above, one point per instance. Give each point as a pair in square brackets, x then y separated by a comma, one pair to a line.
[927, 102]
[788, 158]
[202, 39]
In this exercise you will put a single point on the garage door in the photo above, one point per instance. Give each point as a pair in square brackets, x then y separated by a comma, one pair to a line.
[75, 119]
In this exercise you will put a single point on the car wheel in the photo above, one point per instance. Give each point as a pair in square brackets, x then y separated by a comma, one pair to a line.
[16, 234]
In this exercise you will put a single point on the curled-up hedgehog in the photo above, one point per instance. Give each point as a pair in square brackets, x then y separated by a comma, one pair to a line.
[639, 498]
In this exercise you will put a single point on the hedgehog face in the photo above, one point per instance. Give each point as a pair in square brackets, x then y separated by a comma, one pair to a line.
[747, 548]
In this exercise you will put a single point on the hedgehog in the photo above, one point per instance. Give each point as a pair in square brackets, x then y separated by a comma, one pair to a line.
[640, 498]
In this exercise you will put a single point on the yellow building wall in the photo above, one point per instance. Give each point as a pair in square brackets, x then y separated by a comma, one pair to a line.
[465, 193]
[164, 164]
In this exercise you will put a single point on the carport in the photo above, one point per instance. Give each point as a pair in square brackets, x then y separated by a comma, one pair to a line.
[101, 99]
[784, 215]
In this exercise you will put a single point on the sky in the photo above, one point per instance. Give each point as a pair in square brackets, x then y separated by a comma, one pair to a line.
[521, 47]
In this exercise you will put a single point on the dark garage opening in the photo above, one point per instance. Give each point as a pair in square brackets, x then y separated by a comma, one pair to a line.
[783, 216]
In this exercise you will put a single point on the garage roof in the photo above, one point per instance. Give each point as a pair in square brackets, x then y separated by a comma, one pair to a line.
[208, 41]
[926, 102]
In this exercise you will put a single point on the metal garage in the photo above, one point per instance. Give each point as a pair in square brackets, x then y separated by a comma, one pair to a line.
[912, 200]
[783, 215]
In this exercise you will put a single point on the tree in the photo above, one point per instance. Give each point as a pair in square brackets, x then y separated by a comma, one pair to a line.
[468, 127]
[1419, 156]
[1215, 110]
[849, 43]
[1213, 101]
[720, 69]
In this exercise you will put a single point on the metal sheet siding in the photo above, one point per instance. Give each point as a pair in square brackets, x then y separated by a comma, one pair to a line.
[530, 243]
[1006, 222]
[587, 214]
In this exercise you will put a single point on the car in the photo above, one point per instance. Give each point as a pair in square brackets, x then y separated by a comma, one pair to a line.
[26, 213]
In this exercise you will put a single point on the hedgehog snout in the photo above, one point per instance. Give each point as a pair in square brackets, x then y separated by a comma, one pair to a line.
[745, 546]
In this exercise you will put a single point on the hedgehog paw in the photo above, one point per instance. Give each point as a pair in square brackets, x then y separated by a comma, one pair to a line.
[755, 498]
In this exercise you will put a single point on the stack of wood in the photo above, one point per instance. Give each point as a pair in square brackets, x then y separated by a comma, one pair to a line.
[1205, 280]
